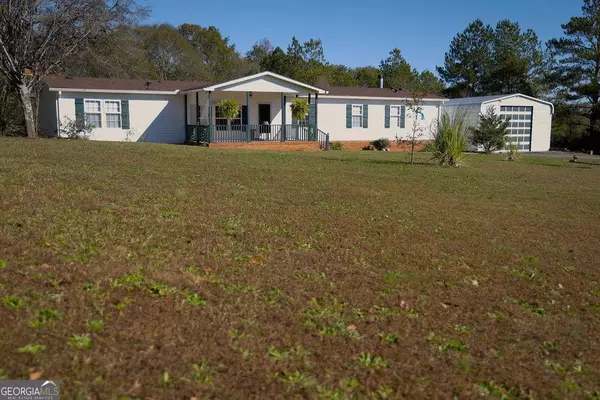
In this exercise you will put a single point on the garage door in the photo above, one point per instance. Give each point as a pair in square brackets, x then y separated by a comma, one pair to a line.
[521, 124]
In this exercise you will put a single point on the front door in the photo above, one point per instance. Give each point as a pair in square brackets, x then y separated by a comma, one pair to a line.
[264, 119]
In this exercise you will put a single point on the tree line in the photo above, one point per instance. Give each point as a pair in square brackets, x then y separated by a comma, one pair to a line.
[104, 38]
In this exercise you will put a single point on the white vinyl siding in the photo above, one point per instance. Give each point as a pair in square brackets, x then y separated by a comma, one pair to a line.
[152, 117]
[112, 111]
[93, 113]
[357, 116]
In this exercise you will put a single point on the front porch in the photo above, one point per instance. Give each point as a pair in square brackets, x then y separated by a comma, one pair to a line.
[199, 134]
[264, 115]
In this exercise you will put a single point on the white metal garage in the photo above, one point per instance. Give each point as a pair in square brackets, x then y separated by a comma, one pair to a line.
[530, 118]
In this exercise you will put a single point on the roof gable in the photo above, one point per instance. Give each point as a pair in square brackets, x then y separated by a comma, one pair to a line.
[265, 82]
[494, 98]
[510, 96]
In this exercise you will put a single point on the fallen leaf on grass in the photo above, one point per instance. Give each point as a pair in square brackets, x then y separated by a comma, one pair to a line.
[256, 260]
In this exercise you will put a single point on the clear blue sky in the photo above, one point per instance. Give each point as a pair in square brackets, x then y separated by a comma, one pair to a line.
[357, 33]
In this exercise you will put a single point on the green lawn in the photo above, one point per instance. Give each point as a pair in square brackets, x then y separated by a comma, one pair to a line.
[142, 270]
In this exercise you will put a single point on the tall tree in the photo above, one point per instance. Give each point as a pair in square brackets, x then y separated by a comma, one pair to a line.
[36, 36]
[483, 60]
[302, 61]
[397, 72]
[340, 75]
[367, 76]
[259, 51]
[279, 62]
[429, 83]
[221, 58]
[517, 57]
[577, 67]
[119, 55]
[167, 51]
[468, 62]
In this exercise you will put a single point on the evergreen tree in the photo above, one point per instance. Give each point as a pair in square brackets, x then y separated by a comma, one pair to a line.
[491, 132]
[468, 62]
[578, 64]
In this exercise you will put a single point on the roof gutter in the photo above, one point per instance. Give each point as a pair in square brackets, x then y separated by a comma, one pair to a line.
[168, 92]
[377, 98]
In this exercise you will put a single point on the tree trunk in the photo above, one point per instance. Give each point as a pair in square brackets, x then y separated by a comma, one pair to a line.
[28, 111]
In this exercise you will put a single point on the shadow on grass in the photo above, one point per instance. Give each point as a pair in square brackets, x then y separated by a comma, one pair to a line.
[379, 162]
[586, 163]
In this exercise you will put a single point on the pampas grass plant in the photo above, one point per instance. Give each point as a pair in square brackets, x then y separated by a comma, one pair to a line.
[450, 138]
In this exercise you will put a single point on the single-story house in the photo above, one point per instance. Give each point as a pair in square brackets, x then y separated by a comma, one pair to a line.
[530, 118]
[188, 111]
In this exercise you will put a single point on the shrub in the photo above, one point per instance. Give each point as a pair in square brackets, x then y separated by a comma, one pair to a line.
[450, 138]
[336, 146]
[299, 108]
[74, 130]
[491, 131]
[381, 144]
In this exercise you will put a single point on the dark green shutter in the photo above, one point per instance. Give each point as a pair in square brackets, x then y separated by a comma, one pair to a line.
[387, 116]
[79, 113]
[348, 115]
[365, 115]
[125, 114]
[244, 115]
[402, 116]
[312, 114]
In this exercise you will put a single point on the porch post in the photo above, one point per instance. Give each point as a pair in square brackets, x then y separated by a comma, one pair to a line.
[248, 133]
[283, 116]
[210, 121]
[197, 109]
[316, 116]
[308, 128]
[185, 114]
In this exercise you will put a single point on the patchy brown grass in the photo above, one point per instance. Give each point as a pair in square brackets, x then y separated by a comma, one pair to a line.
[327, 274]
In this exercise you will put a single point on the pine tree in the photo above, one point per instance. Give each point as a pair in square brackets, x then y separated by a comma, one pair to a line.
[491, 132]
[577, 67]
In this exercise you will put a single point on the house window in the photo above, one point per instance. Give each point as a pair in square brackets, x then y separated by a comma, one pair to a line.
[395, 116]
[93, 113]
[357, 116]
[112, 109]
[219, 120]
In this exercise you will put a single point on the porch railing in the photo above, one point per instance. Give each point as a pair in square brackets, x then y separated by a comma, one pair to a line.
[255, 133]
[323, 138]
